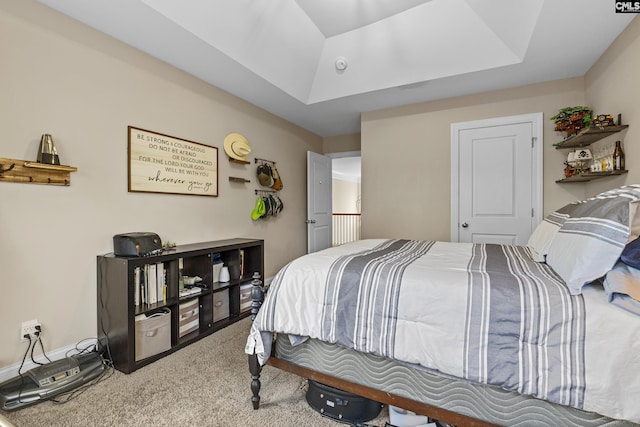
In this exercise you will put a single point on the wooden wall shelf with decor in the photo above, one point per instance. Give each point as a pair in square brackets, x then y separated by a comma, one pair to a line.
[585, 138]
[590, 176]
[12, 170]
[588, 136]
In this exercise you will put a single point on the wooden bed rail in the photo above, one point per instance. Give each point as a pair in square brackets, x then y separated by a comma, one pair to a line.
[380, 396]
[361, 390]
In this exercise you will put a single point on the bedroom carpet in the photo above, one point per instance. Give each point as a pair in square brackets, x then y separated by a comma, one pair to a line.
[204, 384]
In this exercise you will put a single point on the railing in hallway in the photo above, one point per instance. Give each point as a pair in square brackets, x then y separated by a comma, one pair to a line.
[346, 228]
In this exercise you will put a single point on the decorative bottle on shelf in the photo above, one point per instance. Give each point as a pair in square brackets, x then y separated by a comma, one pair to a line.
[224, 274]
[618, 158]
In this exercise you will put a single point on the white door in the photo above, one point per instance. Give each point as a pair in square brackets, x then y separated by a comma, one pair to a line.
[498, 182]
[319, 210]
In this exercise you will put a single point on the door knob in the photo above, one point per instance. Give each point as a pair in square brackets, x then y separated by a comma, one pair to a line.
[465, 225]
[310, 221]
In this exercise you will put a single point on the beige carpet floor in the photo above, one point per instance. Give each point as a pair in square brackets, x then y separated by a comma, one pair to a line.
[204, 384]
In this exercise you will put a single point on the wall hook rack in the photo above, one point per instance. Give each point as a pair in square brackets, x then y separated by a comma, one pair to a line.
[256, 160]
[35, 173]
[265, 191]
[13, 165]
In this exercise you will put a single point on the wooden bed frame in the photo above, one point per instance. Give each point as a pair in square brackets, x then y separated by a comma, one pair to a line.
[386, 398]
[371, 393]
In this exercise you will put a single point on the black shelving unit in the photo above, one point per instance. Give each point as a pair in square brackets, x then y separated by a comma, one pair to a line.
[117, 311]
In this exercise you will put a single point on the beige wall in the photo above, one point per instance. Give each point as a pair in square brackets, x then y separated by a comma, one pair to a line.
[84, 88]
[341, 144]
[406, 150]
[612, 87]
[406, 155]
[345, 196]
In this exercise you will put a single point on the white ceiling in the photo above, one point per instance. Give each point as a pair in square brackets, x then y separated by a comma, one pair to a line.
[281, 55]
[346, 168]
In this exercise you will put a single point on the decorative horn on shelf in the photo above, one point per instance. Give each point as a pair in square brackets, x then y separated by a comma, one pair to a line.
[47, 152]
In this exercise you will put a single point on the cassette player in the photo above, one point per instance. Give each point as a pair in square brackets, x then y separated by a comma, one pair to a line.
[137, 244]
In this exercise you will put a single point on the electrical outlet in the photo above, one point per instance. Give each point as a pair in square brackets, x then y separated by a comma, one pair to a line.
[29, 327]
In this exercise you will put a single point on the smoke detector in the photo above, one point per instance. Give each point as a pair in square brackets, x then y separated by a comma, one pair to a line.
[341, 63]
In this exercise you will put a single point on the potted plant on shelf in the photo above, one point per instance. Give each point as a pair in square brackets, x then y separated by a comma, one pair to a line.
[572, 120]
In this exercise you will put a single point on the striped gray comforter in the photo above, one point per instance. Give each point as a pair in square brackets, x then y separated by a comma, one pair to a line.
[482, 312]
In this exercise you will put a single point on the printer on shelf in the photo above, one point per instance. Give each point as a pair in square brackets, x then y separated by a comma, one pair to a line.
[137, 244]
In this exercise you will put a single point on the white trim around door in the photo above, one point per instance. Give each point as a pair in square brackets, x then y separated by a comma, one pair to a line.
[537, 157]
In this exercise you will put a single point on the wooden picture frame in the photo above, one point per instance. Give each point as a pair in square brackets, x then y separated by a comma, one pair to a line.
[160, 163]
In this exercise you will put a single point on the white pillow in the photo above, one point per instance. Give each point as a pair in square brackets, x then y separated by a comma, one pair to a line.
[593, 236]
[540, 240]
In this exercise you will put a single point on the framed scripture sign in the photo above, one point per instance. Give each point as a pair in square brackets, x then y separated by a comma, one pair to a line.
[164, 164]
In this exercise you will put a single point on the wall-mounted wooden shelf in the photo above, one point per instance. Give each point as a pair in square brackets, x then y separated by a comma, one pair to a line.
[242, 162]
[590, 176]
[13, 170]
[585, 138]
[238, 179]
[589, 136]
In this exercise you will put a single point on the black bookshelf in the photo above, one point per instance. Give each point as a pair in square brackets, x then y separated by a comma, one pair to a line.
[218, 304]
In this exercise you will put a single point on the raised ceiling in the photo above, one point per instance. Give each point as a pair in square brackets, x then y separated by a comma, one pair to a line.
[321, 63]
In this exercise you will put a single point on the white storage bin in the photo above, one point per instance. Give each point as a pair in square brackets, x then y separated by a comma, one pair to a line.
[153, 334]
[245, 297]
[402, 418]
[189, 317]
[216, 271]
[220, 305]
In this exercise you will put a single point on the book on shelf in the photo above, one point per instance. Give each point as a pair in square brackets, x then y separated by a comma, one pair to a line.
[161, 282]
[217, 266]
[143, 286]
[241, 263]
[152, 283]
[136, 286]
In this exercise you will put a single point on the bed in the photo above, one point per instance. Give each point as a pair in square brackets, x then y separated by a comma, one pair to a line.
[471, 334]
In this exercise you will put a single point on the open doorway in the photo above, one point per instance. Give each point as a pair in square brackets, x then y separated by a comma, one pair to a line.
[346, 197]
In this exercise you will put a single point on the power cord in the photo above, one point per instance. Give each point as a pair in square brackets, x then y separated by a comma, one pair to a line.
[105, 330]
[72, 394]
[26, 353]
[37, 333]
[24, 358]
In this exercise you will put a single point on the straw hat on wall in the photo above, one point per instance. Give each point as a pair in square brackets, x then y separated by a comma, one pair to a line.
[237, 147]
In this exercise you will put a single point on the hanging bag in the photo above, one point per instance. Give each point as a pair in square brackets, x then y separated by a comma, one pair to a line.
[277, 181]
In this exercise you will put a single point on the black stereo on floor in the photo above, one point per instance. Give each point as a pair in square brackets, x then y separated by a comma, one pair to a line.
[47, 381]
[341, 405]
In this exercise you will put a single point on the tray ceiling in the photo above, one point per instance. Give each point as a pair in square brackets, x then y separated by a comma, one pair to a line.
[320, 64]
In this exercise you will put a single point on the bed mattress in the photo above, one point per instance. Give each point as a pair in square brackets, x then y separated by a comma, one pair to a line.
[483, 402]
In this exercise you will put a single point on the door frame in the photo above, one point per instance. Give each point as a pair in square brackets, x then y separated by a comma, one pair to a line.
[536, 120]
